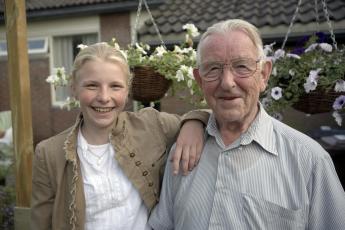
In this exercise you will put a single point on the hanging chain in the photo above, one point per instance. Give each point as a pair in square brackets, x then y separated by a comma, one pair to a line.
[329, 24]
[136, 22]
[152, 20]
[154, 24]
[291, 23]
[317, 16]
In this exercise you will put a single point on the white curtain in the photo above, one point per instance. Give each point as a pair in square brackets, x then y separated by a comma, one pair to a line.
[63, 57]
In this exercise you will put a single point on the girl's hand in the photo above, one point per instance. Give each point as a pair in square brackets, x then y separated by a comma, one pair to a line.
[189, 145]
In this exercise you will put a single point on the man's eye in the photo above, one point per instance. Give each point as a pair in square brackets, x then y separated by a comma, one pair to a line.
[242, 66]
[213, 69]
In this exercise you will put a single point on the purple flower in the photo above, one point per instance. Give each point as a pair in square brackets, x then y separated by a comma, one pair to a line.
[339, 102]
[321, 37]
[276, 93]
[298, 51]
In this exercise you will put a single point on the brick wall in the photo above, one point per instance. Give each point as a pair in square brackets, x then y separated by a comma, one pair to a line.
[116, 25]
[46, 120]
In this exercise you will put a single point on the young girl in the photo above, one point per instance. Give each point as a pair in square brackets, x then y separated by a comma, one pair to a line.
[104, 172]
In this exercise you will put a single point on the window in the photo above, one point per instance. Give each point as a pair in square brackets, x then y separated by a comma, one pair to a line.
[35, 46]
[64, 51]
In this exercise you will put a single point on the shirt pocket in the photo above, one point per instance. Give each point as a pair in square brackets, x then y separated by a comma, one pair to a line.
[263, 214]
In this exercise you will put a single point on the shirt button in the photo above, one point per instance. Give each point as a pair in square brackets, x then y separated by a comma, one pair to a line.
[150, 184]
[132, 154]
[145, 173]
[137, 163]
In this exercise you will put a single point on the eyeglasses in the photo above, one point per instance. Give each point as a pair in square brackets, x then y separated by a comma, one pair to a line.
[240, 68]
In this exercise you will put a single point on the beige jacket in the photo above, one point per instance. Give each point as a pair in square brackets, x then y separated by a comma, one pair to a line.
[140, 141]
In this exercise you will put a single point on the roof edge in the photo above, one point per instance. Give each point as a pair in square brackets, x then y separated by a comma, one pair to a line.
[113, 7]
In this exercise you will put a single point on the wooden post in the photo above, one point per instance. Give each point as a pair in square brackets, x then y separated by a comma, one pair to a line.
[19, 82]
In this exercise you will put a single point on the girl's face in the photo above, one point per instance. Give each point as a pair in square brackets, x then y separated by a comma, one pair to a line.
[102, 89]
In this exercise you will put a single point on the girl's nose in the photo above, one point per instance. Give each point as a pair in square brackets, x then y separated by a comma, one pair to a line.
[103, 95]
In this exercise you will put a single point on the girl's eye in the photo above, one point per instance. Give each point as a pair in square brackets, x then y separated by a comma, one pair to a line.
[91, 86]
[116, 87]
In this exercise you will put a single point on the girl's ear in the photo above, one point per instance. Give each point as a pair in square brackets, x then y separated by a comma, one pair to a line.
[73, 90]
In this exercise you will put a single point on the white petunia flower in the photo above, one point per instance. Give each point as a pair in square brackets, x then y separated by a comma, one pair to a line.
[189, 83]
[274, 71]
[293, 56]
[268, 49]
[314, 74]
[278, 116]
[58, 77]
[311, 47]
[178, 50]
[309, 85]
[311, 82]
[266, 102]
[339, 86]
[179, 75]
[52, 79]
[292, 72]
[81, 46]
[191, 29]
[276, 93]
[326, 47]
[160, 50]
[279, 54]
[140, 49]
[339, 102]
[337, 117]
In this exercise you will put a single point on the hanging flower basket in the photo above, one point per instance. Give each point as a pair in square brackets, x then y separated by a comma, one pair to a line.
[309, 77]
[148, 85]
[317, 101]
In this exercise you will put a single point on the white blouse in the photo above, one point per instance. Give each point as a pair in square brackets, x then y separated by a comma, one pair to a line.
[112, 202]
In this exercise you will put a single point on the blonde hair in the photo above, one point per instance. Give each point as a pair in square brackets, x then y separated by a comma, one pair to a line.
[224, 27]
[100, 51]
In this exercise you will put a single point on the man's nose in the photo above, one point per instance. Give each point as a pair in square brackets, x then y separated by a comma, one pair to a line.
[228, 78]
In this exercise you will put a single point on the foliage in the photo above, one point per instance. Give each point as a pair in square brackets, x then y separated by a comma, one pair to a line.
[315, 65]
[7, 192]
[7, 202]
[176, 65]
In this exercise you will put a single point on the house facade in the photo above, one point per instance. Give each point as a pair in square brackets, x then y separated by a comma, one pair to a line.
[55, 28]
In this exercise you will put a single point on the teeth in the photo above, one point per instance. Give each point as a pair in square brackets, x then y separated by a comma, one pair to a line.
[103, 110]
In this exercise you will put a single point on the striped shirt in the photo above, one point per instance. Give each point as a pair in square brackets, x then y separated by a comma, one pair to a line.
[272, 177]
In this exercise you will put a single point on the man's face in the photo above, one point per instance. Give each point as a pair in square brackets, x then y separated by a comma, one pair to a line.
[232, 98]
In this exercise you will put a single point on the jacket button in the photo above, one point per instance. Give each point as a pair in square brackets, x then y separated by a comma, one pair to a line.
[153, 165]
[145, 173]
[132, 154]
[137, 163]
[150, 184]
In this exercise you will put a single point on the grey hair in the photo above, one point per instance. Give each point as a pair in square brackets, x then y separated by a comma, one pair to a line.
[224, 27]
[101, 51]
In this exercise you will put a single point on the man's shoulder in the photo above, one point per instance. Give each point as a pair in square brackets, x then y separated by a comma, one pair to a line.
[292, 138]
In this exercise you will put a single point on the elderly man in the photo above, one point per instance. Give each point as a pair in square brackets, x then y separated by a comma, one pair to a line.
[255, 172]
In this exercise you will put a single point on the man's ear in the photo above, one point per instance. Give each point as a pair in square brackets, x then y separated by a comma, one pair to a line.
[197, 76]
[265, 73]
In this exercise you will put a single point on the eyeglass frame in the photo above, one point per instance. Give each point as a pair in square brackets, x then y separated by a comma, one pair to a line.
[222, 66]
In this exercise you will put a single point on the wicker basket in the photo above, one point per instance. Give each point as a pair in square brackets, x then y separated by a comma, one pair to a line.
[316, 102]
[148, 85]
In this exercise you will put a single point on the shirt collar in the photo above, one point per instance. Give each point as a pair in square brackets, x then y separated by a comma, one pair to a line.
[261, 131]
